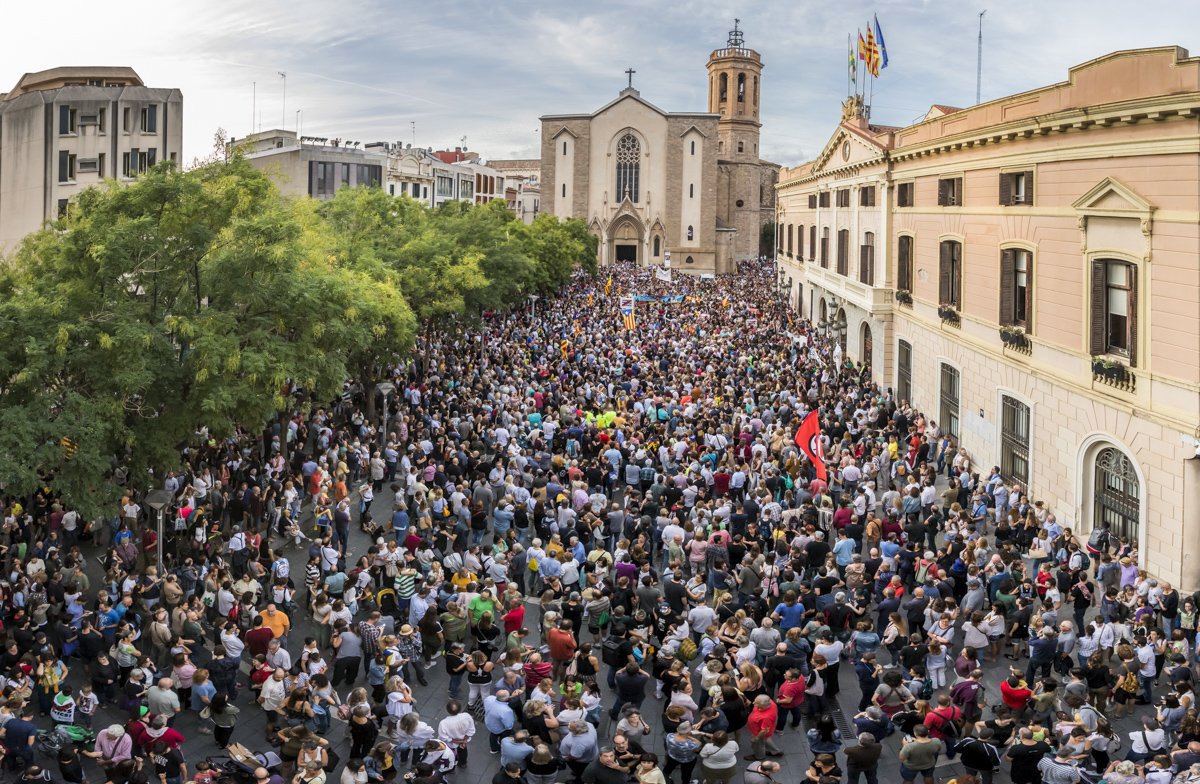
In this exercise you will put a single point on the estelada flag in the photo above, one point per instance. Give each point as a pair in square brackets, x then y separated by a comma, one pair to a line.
[808, 438]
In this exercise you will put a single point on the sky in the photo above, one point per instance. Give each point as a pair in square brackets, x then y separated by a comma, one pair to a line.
[367, 70]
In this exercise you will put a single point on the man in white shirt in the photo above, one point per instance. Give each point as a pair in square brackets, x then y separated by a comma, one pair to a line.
[456, 730]
[271, 699]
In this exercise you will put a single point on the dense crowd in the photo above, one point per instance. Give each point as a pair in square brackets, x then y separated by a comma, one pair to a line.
[567, 516]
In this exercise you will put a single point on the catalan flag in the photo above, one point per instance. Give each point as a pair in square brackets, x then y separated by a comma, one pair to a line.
[863, 53]
[627, 313]
[590, 297]
[872, 52]
[608, 286]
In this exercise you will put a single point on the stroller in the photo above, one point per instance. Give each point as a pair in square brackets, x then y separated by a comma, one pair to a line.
[52, 741]
[232, 771]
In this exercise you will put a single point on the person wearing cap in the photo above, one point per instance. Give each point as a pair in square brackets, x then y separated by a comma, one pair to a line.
[408, 645]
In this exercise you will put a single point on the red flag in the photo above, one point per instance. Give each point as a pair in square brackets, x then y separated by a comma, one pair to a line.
[808, 438]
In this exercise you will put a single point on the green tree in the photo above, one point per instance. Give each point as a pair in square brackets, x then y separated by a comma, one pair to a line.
[185, 300]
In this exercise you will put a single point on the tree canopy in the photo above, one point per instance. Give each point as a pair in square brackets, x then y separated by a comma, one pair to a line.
[193, 301]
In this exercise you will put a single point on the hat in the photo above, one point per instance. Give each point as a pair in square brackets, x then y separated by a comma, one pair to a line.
[406, 629]
[1126, 560]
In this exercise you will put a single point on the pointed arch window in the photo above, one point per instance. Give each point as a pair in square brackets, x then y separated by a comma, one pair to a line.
[741, 88]
[629, 166]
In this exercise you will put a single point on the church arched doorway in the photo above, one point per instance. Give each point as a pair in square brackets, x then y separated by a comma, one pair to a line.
[868, 344]
[625, 240]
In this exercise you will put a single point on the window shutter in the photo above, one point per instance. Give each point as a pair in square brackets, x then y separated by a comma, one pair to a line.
[1005, 188]
[1008, 284]
[903, 272]
[64, 119]
[943, 192]
[1029, 294]
[1029, 188]
[63, 156]
[152, 119]
[1099, 309]
[945, 259]
[1133, 316]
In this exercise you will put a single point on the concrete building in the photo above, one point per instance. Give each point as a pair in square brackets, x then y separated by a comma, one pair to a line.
[522, 192]
[311, 166]
[1032, 282]
[648, 181]
[65, 129]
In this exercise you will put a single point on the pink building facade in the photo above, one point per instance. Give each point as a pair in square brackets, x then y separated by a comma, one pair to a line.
[1027, 271]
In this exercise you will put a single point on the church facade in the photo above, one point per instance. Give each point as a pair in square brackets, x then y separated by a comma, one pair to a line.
[653, 185]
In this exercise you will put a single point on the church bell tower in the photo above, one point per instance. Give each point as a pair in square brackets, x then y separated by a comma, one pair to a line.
[733, 94]
[733, 76]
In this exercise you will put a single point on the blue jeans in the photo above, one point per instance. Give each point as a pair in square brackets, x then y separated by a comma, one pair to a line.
[1147, 682]
[455, 684]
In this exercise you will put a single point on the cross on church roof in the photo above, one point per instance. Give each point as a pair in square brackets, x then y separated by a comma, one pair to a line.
[630, 72]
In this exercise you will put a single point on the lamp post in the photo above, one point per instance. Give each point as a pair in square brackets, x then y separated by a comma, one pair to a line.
[384, 388]
[533, 298]
[158, 500]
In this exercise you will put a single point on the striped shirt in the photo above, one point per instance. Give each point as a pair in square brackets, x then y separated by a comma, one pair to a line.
[405, 585]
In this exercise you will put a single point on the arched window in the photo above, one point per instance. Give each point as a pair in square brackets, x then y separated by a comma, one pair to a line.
[690, 233]
[692, 191]
[724, 89]
[868, 344]
[629, 166]
[657, 245]
[693, 147]
[756, 91]
[741, 87]
[1118, 495]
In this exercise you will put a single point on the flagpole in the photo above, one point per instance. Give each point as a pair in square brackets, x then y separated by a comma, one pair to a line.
[849, 51]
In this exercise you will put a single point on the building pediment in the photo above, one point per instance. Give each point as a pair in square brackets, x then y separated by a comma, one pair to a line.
[1112, 198]
[693, 128]
[562, 130]
[848, 146]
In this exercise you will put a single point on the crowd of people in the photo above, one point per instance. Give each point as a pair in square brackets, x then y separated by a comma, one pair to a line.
[567, 516]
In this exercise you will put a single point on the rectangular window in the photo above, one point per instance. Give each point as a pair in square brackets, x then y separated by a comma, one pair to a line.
[843, 197]
[812, 243]
[391, 189]
[692, 191]
[149, 122]
[843, 250]
[904, 194]
[904, 264]
[345, 170]
[89, 165]
[564, 190]
[66, 121]
[866, 196]
[126, 114]
[368, 174]
[325, 178]
[950, 393]
[1014, 440]
[66, 166]
[445, 186]
[825, 248]
[1016, 287]
[101, 120]
[790, 230]
[812, 201]
[693, 147]
[1114, 309]
[1016, 188]
[950, 192]
[904, 371]
[950, 274]
[866, 260]
[89, 119]
[564, 148]
[100, 164]
[823, 198]
[62, 207]
[800, 242]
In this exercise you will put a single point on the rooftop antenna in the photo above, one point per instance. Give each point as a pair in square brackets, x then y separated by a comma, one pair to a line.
[979, 59]
[253, 105]
[414, 132]
[464, 143]
[736, 39]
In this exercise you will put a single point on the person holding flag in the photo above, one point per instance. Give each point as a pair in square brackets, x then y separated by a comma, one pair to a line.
[627, 313]
[808, 438]
[608, 285]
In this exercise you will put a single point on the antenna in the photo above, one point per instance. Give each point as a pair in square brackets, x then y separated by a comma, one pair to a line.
[979, 59]
[414, 132]
[253, 105]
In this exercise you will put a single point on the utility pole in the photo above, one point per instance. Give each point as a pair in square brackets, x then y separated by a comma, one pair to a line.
[979, 59]
[283, 111]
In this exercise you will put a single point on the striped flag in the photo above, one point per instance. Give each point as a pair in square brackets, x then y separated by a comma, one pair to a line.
[608, 285]
[627, 313]
[872, 52]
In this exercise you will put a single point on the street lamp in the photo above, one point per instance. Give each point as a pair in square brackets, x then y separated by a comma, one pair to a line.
[533, 298]
[384, 388]
[158, 500]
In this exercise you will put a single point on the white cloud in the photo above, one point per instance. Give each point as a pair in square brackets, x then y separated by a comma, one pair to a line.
[366, 69]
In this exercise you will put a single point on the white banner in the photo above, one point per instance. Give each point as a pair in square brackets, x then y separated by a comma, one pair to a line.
[663, 274]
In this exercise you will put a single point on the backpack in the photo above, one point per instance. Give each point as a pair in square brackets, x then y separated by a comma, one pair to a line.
[687, 650]
[610, 651]
[1128, 683]
[1085, 562]
[926, 691]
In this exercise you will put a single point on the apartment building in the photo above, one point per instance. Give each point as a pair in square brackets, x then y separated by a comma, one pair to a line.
[522, 191]
[1029, 274]
[66, 129]
[309, 165]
